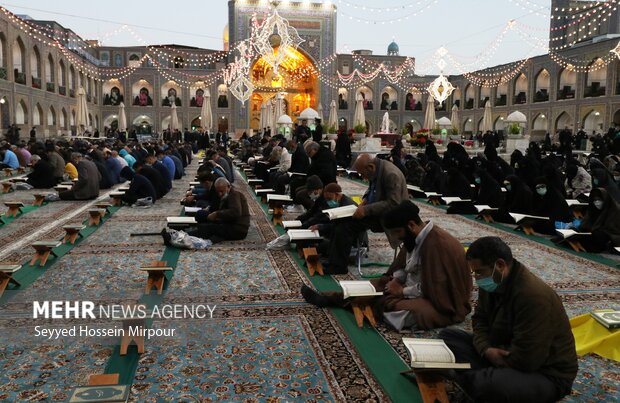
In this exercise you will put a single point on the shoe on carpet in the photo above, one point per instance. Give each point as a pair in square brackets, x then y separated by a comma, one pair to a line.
[166, 236]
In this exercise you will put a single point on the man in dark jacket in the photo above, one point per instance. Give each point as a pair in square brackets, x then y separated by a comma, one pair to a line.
[522, 348]
[232, 219]
[323, 164]
[41, 176]
[299, 164]
[163, 172]
[87, 185]
[139, 188]
[154, 177]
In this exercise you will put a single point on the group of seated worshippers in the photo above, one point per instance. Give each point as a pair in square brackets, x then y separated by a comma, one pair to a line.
[531, 183]
[286, 165]
[521, 347]
[100, 164]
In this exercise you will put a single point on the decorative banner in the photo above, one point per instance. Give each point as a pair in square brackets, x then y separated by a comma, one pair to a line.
[273, 38]
[242, 88]
[440, 89]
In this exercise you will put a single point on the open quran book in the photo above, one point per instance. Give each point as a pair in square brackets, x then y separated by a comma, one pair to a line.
[431, 353]
[340, 212]
[303, 235]
[358, 289]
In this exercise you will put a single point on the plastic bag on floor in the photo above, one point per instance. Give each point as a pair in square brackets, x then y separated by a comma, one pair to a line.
[144, 202]
[283, 242]
[52, 197]
[22, 186]
[182, 240]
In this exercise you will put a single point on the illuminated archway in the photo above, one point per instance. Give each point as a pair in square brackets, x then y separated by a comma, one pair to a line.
[296, 79]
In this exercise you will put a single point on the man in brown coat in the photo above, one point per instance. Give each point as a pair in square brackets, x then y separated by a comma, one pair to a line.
[522, 348]
[427, 286]
[231, 221]
[387, 188]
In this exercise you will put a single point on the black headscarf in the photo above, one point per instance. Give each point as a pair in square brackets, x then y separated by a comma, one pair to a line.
[601, 178]
[607, 219]
[518, 197]
[552, 204]
[457, 185]
[489, 191]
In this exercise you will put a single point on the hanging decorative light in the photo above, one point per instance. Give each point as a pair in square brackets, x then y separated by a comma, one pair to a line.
[242, 88]
[440, 89]
[273, 39]
[616, 50]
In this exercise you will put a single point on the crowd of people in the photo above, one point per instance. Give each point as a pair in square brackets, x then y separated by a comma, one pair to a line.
[521, 347]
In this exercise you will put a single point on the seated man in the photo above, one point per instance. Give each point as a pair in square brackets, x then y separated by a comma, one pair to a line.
[150, 173]
[231, 221]
[386, 190]
[42, 174]
[151, 160]
[522, 348]
[139, 188]
[427, 286]
[9, 159]
[332, 198]
[87, 185]
[314, 185]
[207, 198]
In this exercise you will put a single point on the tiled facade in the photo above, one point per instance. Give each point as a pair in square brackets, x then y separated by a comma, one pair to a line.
[38, 82]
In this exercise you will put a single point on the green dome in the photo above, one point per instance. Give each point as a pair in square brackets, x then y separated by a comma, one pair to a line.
[393, 48]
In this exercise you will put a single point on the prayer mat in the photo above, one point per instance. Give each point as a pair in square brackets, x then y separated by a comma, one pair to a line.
[48, 372]
[293, 353]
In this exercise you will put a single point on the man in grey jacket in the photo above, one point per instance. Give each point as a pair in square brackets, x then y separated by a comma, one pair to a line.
[387, 188]
[87, 185]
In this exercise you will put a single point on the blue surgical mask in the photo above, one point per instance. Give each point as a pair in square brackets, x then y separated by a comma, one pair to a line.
[595, 181]
[332, 203]
[313, 196]
[477, 180]
[598, 203]
[508, 187]
[541, 191]
[487, 283]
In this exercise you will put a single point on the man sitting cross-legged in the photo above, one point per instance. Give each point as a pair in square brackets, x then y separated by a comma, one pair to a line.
[231, 221]
[522, 348]
[427, 286]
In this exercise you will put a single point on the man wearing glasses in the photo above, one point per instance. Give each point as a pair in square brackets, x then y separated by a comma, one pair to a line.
[522, 347]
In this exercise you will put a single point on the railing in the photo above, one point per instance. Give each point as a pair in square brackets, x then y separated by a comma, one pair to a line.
[469, 104]
[541, 97]
[566, 93]
[594, 91]
[72, 93]
[51, 87]
[20, 78]
[36, 82]
[62, 90]
[3, 73]
[500, 101]
[88, 97]
[519, 99]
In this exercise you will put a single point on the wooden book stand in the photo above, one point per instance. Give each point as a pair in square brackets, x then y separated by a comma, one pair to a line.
[72, 232]
[103, 379]
[487, 218]
[104, 205]
[312, 261]
[43, 249]
[434, 200]
[95, 216]
[6, 276]
[362, 309]
[8, 171]
[138, 338]
[431, 385]
[21, 170]
[117, 198]
[156, 276]
[7, 187]
[15, 208]
[38, 199]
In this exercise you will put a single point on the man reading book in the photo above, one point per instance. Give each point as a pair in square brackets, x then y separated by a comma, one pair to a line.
[522, 348]
[427, 286]
[387, 188]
